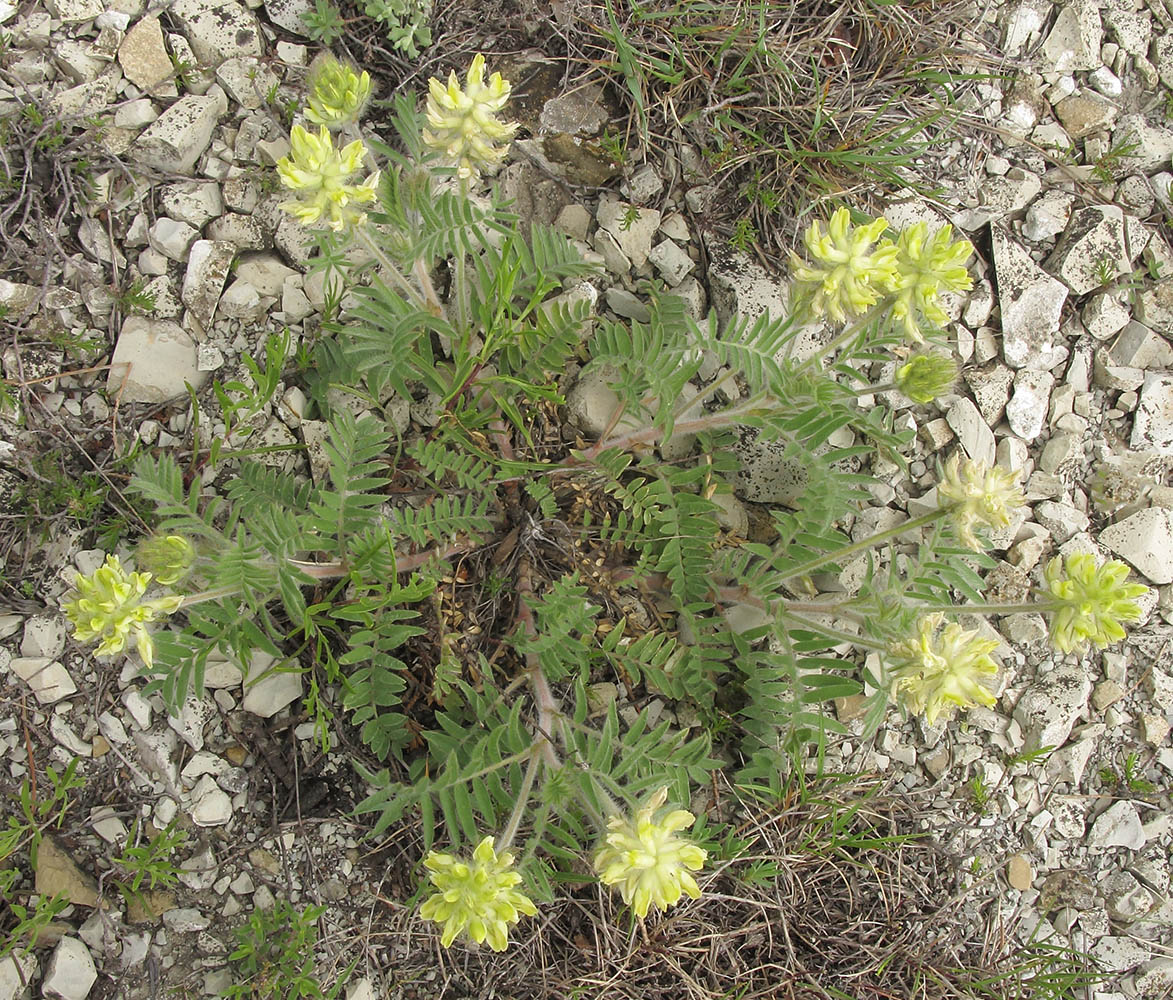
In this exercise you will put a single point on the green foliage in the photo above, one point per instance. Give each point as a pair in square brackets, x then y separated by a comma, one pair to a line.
[274, 956]
[324, 23]
[405, 22]
[135, 298]
[1127, 776]
[149, 861]
[241, 402]
[21, 838]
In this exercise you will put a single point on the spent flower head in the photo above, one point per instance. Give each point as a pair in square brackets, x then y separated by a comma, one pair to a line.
[165, 557]
[848, 272]
[926, 266]
[108, 605]
[979, 495]
[463, 123]
[647, 860]
[319, 175]
[924, 377]
[1089, 601]
[337, 93]
[935, 673]
[477, 897]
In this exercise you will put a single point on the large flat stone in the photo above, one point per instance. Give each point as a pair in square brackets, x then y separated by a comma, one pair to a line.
[1031, 301]
[144, 59]
[218, 30]
[154, 361]
[1152, 429]
[1144, 539]
[175, 140]
[1099, 244]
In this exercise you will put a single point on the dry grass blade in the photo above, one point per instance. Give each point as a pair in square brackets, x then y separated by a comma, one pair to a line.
[791, 104]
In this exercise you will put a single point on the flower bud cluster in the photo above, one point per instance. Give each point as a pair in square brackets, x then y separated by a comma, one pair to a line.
[337, 94]
[320, 176]
[476, 897]
[980, 495]
[462, 121]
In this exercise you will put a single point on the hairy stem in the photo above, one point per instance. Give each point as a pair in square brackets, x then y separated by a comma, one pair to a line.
[848, 334]
[527, 783]
[840, 635]
[333, 570]
[707, 421]
[363, 238]
[864, 544]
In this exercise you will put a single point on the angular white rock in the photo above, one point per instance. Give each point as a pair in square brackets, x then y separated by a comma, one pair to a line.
[1100, 242]
[1031, 301]
[1117, 826]
[49, 680]
[207, 268]
[631, 226]
[44, 635]
[210, 805]
[975, 436]
[266, 693]
[1027, 410]
[154, 361]
[217, 29]
[1074, 40]
[15, 971]
[1049, 708]
[175, 140]
[71, 973]
[1144, 539]
[1138, 347]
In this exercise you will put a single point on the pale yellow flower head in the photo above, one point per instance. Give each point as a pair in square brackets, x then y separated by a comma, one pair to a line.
[108, 605]
[476, 898]
[337, 93]
[979, 495]
[926, 266]
[936, 673]
[646, 859]
[848, 271]
[319, 174]
[462, 122]
[1089, 602]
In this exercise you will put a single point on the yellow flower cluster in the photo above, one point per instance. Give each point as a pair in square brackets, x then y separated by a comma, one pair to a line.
[108, 605]
[477, 897]
[1089, 602]
[926, 266]
[462, 122]
[851, 268]
[646, 859]
[320, 176]
[979, 495]
[936, 672]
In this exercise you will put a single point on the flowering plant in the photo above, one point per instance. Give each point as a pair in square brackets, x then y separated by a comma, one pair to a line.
[456, 317]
